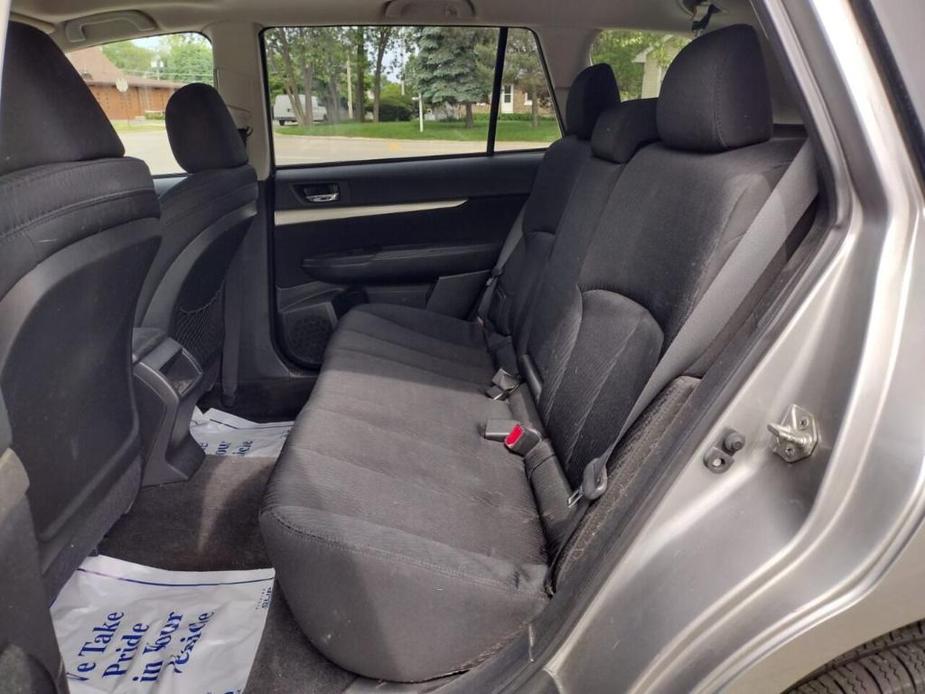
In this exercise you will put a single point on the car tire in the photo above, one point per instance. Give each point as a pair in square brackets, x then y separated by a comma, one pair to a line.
[890, 664]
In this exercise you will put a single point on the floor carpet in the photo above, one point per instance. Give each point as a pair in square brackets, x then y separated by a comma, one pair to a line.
[210, 524]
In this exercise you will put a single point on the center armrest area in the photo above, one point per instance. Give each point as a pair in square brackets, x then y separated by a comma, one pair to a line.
[168, 383]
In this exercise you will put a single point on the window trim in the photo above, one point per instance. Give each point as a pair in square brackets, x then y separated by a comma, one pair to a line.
[493, 117]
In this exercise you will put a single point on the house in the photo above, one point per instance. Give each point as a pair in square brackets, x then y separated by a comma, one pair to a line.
[515, 100]
[655, 61]
[122, 96]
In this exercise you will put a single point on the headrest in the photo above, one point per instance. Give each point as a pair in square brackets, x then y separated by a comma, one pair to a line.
[201, 131]
[48, 115]
[623, 129]
[715, 95]
[593, 92]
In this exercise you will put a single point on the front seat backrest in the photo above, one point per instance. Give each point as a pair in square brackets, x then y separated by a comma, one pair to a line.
[78, 231]
[203, 221]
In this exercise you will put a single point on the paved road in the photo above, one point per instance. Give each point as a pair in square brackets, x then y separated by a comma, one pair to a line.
[153, 148]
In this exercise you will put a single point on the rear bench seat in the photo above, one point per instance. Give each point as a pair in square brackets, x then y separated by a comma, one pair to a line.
[443, 344]
[408, 545]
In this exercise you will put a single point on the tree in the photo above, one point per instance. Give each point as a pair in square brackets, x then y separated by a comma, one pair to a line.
[359, 93]
[448, 67]
[187, 58]
[129, 57]
[303, 60]
[619, 49]
[522, 68]
[284, 54]
[382, 38]
[330, 56]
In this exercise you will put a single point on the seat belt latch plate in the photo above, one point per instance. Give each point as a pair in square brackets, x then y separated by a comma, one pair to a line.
[502, 385]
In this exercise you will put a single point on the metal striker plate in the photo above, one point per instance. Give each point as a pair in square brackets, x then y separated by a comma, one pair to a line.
[796, 436]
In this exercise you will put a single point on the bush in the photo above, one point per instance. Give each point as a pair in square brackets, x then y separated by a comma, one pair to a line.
[395, 108]
[154, 115]
[523, 117]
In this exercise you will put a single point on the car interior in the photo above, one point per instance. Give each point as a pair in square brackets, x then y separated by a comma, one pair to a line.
[481, 351]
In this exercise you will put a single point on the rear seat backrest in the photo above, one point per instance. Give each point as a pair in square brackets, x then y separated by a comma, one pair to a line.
[676, 213]
[593, 91]
[619, 133]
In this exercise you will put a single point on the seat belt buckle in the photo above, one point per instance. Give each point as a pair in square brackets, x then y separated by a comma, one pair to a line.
[498, 429]
[521, 440]
[502, 385]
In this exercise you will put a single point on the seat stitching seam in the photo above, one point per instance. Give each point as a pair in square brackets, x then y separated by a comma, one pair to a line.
[415, 367]
[416, 350]
[389, 555]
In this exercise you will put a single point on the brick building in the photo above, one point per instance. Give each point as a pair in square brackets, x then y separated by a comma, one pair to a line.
[138, 95]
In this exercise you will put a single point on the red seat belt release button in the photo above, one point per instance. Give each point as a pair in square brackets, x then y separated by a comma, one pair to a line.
[510, 441]
[521, 440]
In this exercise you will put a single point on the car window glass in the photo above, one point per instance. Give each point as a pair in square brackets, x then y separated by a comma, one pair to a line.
[400, 92]
[639, 59]
[132, 81]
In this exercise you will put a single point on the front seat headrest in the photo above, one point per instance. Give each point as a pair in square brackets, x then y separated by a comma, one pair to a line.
[715, 95]
[201, 131]
[593, 92]
[48, 116]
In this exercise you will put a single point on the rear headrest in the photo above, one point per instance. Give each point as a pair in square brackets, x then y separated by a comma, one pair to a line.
[623, 129]
[593, 92]
[201, 131]
[48, 115]
[715, 95]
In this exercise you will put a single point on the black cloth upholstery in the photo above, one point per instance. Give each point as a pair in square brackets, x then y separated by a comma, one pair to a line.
[78, 231]
[39, 125]
[715, 95]
[623, 129]
[593, 92]
[204, 220]
[408, 545]
[201, 131]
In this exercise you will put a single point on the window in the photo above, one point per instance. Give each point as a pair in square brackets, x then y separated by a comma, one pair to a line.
[639, 59]
[132, 81]
[528, 115]
[400, 92]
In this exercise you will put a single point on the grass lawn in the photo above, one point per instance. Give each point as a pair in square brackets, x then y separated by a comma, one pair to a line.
[521, 131]
[123, 126]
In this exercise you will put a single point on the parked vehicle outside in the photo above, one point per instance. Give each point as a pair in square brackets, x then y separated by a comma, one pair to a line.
[283, 112]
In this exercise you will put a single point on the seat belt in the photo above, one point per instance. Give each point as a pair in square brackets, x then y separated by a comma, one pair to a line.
[231, 348]
[785, 206]
[510, 243]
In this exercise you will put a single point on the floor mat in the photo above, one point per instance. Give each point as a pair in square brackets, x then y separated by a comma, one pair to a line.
[123, 627]
[220, 433]
[209, 523]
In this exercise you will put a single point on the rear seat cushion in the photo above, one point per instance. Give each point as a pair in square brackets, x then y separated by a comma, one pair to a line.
[387, 535]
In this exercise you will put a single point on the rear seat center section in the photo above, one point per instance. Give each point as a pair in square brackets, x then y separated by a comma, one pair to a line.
[408, 544]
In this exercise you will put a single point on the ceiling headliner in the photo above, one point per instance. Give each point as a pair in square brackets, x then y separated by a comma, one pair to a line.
[177, 15]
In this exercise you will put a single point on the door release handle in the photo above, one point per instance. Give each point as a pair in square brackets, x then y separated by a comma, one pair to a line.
[319, 193]
[323, 197]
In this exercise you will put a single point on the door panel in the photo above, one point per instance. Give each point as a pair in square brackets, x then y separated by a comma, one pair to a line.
[420, 233]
